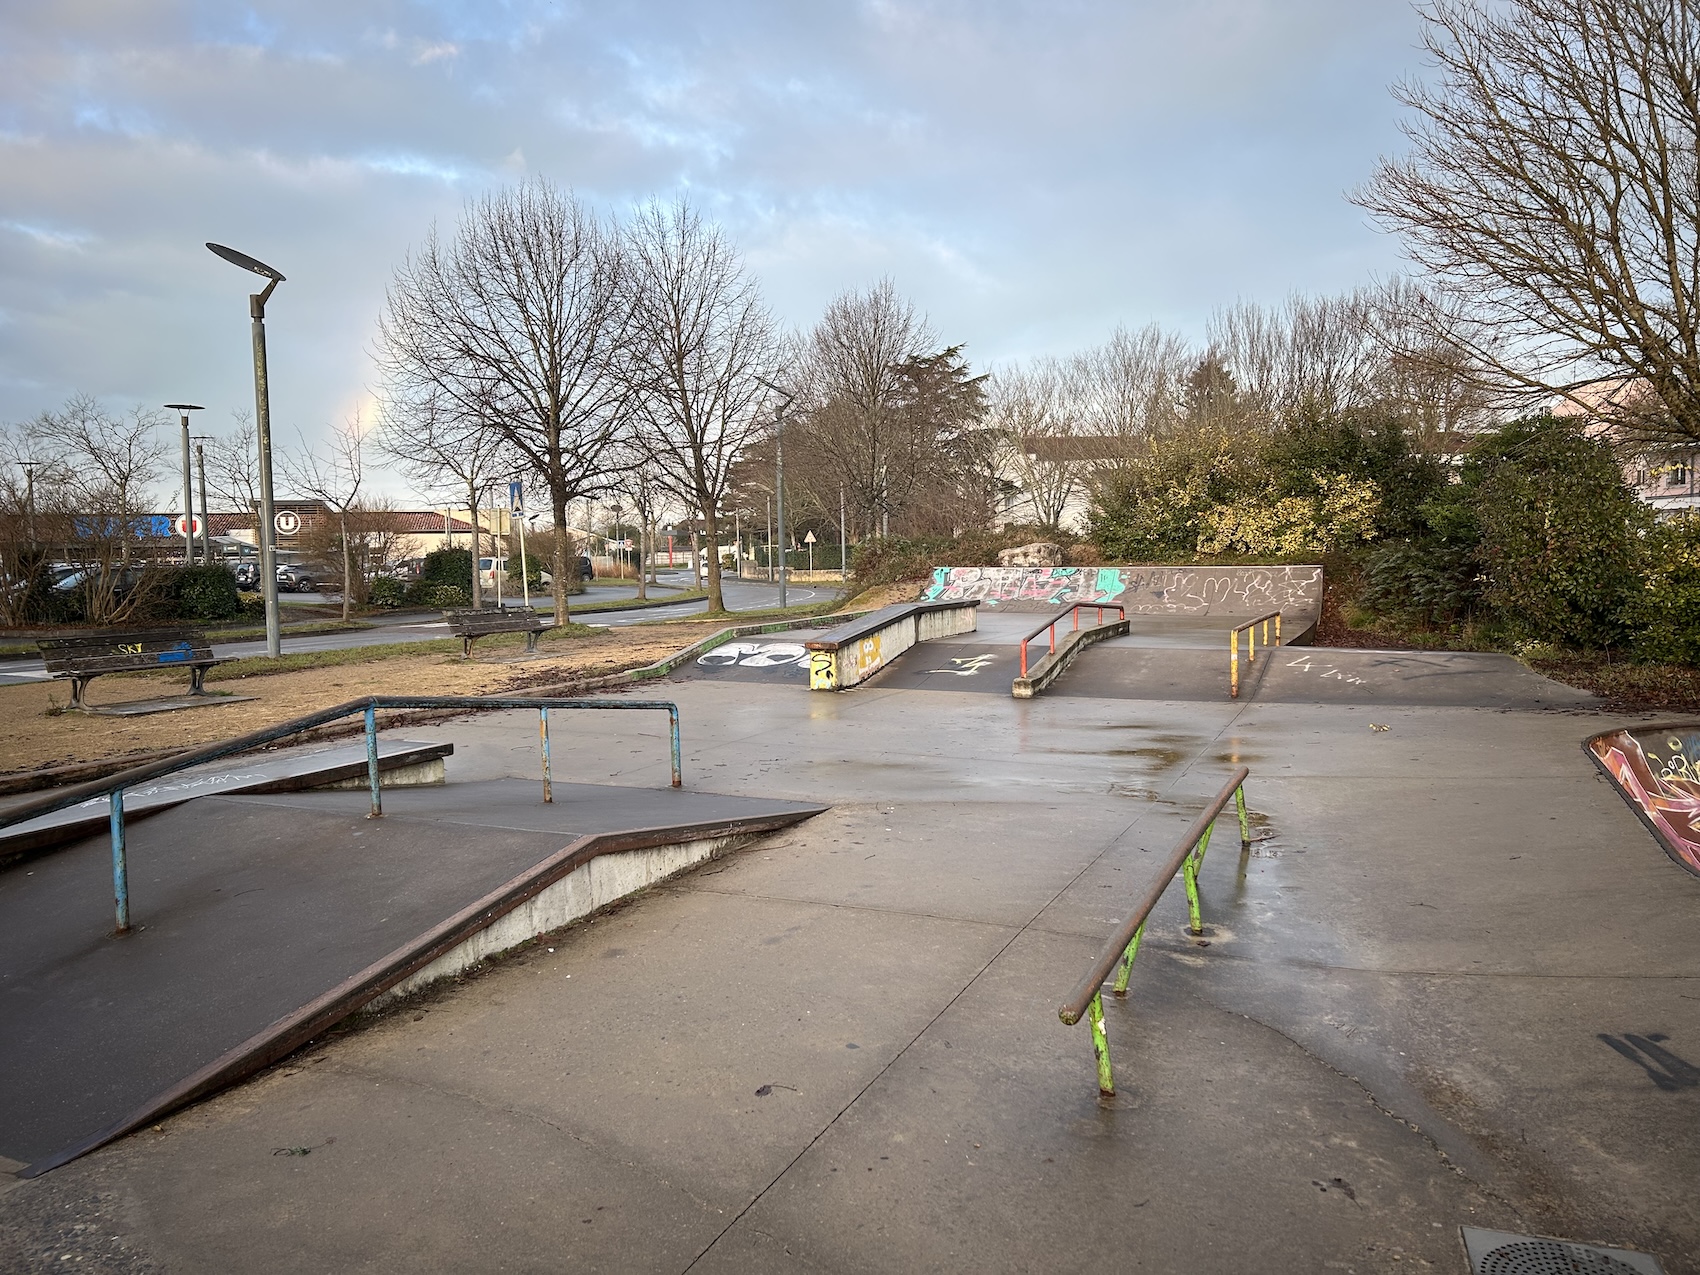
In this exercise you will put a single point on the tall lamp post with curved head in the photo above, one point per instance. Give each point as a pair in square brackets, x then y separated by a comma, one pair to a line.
[183, 410]
[263, 428]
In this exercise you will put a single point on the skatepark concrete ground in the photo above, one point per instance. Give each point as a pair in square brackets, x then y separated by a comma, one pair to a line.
[839, 1050]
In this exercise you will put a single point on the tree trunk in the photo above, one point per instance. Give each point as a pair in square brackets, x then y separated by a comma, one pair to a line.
[643, 560]
[711, 526]
[558, 503]
[477, 535]
[347, 575]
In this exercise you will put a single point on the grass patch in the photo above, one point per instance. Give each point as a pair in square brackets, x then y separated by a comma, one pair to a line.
[1625, 686]
[262, 666]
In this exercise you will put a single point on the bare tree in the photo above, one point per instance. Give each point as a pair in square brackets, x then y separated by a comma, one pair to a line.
[1134, 384]
[446, 447]
[104, 466]
[334, 476]
[1552, 190]
[233, 466]
[701, 341]
[1310, 354]
[848, 374]
[1036, 410]
[516, 324]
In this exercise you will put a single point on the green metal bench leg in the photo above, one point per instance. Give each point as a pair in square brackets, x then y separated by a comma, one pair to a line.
[1101, 1046]
[531, 641]
[78, 686]
[197, 678]
[1245, 822]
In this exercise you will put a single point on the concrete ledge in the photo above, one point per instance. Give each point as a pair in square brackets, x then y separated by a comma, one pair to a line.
[854, 652]
[1047, 670]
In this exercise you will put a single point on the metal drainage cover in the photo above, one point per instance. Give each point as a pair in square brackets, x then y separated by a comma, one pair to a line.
[1502, 1253]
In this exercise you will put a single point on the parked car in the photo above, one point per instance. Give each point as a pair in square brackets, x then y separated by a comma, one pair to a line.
[586, 571]
[248, 576]
[294, 579]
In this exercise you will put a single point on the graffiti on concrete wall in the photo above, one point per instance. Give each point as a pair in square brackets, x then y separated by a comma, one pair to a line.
[1142, 590]
[1657, 769]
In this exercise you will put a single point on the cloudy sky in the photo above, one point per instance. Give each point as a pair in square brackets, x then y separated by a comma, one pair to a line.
[1030, 172]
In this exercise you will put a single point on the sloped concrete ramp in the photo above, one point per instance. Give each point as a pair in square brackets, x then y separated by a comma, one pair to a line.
[262, 920]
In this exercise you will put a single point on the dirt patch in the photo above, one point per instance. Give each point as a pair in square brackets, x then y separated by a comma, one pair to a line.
[36, 734]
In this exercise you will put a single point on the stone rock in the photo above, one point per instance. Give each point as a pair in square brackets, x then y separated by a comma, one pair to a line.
[1041, 553]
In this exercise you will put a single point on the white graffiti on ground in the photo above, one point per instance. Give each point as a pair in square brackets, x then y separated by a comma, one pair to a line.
[1142, 590]
[753, 655]
[966, 665]
[1309, 664]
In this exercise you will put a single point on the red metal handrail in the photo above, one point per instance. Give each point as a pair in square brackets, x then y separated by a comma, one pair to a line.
[1075, 610]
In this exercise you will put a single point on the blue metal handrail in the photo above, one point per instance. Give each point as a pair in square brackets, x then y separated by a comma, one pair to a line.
[113, 786]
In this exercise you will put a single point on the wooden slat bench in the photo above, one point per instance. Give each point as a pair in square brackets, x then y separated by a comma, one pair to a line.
[470, 625]
[86, 656]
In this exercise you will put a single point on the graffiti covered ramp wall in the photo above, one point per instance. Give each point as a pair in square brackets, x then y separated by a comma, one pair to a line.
[1202, 591]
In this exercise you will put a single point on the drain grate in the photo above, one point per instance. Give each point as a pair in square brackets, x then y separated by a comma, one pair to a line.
[1502, 1253]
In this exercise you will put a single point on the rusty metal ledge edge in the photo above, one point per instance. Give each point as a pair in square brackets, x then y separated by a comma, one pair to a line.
[1051, 666]
[296, 1029]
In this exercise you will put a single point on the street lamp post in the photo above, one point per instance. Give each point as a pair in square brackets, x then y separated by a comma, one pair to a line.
[785, 398]
[183, 410]
[206, 520]
[263, 428]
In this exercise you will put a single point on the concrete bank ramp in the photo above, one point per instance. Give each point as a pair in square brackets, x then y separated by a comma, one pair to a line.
[260, 921]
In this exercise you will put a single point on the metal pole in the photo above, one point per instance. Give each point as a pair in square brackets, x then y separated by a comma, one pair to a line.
[120, 864]
[206, 519]
[377, 811]
[673, 731]
[188, 496]
[498, 567]
[843, 540]
[263, 431]
[543, 738]
[779, 495]
[770, 539]
[524, 564]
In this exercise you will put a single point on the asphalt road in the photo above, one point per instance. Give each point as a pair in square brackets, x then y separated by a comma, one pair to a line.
[741, 595]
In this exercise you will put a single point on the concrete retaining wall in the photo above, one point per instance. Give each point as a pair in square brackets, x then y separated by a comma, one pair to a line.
[584, 890]
[1225, 591]
[848, 655]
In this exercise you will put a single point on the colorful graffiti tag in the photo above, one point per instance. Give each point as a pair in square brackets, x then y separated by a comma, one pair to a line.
[1142, 590]
[1657, 769]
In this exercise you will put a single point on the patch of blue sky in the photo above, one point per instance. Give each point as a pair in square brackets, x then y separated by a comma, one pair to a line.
[120, 121]
[403, 164]
[49, 236]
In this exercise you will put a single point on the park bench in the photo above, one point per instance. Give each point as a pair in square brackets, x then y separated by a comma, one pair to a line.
[470, 625]
[86, 656]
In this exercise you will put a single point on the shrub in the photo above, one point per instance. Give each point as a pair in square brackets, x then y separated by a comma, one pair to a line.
[443, 567]
[205, 595]
[386, 592]
[1666, 610]
[444, 596]
[1560, 533]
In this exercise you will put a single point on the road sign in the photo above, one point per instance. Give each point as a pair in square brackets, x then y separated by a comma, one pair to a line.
[809, 539]
[516, 497]
[193, 529]
[287, 522]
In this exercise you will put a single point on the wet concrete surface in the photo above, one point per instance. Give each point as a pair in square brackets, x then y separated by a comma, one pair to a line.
[838, 1050]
